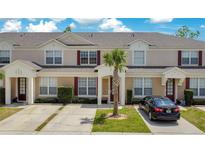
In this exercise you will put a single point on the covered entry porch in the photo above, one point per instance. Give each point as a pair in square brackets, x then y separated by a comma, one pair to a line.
[20, 81]
[105, 72]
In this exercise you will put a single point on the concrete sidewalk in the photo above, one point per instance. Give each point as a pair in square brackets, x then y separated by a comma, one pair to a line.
[28, 119]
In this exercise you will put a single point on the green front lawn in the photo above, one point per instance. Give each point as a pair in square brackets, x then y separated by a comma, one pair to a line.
[133, 123]
[6, 112]
[195, 116]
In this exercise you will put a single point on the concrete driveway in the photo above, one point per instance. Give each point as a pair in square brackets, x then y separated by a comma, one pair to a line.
[28, 119]
[169, 127]
[73, 119]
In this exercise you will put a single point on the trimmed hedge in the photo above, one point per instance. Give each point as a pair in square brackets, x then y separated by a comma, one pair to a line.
[47, 100]
[198, 101]
[136, 100]
[2, 95]
[129, 97]
[188, 97]
[82, 100]
[65, 94]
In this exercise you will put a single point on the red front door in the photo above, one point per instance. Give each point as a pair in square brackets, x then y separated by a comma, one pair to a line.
[21, 89]
[170, 89]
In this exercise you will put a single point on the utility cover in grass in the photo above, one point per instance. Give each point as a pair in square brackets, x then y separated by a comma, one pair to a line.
[133, 122]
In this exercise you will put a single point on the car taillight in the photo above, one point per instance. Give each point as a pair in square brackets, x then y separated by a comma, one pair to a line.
[176, 110]
[158, 110]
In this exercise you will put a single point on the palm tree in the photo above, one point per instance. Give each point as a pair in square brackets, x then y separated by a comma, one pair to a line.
[116, 59]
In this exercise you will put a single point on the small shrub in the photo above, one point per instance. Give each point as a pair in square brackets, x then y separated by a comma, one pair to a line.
[136, 100]
[2, 95]
[47, 100]
[188, 97]
[199, 101]
[129, 96]
[65, 94]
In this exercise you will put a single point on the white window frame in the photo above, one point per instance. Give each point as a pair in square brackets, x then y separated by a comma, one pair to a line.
[87, 87]
[143, 86]
[89, 57]
[53, 50]
[133, 57]
[198, 88]
[9, 56]
[48, 86]
[189, 58]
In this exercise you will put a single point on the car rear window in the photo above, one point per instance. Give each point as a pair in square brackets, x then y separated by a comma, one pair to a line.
[163, 102]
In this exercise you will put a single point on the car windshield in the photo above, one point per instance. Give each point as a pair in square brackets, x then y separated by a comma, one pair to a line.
[163, 102]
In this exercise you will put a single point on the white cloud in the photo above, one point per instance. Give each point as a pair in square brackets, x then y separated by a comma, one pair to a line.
[160, 20]
[115, 25]
[72, 25]
[32, 19]
[58, 20]
[87, 21]
[12, 25]
[47, 26]
[202, 26]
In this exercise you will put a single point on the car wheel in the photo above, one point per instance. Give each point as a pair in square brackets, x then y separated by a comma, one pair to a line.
[150, 116]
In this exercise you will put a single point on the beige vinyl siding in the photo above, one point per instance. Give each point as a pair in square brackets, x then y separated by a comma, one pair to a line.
[65, 81]
[105, 86]
[157, 88]
[13, 87]
[37, 87]
[128, 84]
[180, 90]
[157, 57]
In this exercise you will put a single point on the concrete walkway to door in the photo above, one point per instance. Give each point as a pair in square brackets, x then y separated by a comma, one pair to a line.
[72, 119]
[28, 119]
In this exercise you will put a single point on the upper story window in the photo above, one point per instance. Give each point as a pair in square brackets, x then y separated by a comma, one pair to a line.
[142, 86]
[139, 57]
[54, 57]
[48, 86]
[88, 57]
[4, 56]
[190, 57]
[197, 85]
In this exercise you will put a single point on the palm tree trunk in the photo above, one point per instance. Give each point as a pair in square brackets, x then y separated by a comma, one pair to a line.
[115, 86]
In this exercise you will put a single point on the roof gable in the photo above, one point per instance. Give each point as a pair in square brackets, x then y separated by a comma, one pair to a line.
[73, 39]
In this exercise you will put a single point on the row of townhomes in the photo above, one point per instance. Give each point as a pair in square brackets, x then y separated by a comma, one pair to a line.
[36, 64]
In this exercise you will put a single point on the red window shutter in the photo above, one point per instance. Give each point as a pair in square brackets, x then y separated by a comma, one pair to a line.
[200, 58]
[179, 57]
[78, 57]
[98, 57]
[76, 86]
[187, 83]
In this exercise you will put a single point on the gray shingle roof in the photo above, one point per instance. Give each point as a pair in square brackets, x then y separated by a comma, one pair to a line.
[105, 39]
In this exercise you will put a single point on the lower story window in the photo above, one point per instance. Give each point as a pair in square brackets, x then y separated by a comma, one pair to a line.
[197, 85]
[87, 86]
[48, 86]
[142, 86]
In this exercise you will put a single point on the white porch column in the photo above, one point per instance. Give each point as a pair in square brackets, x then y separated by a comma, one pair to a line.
[7, 90]
[122, 89]
[99, 90]
[109, 90]
[30, 90]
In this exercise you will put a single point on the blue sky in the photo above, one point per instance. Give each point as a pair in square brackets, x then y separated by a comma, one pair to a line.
[163, 25]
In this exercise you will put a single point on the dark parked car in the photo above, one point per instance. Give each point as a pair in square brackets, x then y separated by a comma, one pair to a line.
[160, 108]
